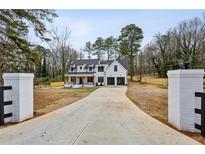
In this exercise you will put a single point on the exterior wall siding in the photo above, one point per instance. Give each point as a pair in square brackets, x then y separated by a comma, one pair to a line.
[182, 85]
[108, 72]
[100, 74]
[121, 72]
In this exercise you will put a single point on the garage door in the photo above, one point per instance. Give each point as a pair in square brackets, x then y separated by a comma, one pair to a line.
[110, 81]
[120, 81]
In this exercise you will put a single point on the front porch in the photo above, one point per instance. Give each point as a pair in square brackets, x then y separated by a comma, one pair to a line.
[77, 81]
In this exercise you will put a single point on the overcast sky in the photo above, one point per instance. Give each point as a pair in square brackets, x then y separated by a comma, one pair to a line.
[87, 25]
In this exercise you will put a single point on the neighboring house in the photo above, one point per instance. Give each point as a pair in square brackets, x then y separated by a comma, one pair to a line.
[96, 72]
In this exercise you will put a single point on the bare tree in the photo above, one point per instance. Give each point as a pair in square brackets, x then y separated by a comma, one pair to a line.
[190, 36]
[184, 42]
[60, 46]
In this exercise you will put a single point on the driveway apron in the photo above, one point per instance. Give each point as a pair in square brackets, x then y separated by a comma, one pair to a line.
[106, 116]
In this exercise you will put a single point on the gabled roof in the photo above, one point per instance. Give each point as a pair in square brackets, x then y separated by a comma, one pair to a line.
[123, 62]
[85, 61]
[106, 61]
[88, 62]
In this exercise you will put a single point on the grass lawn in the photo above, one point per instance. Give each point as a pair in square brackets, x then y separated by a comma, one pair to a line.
[153, 100]
[49, 99]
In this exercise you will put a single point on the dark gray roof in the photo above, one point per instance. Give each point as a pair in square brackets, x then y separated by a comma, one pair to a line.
[86, 66]
[86, 61]
[106, 61]
[123, 62]
[81, 72]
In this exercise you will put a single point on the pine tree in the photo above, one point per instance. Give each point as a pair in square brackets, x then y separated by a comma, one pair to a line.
[15, 48]
[130, 39]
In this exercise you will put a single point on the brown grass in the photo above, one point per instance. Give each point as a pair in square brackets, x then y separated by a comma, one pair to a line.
[152, 80]
[50, 99]
[153, 100]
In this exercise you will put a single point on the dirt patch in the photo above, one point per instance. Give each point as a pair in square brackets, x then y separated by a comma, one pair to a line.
[153, 100]
[50, 99]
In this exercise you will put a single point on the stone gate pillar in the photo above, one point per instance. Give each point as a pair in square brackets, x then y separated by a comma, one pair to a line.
[182, 85]
[21, 95]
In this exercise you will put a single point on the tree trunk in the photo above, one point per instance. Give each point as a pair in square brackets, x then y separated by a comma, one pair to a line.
[63, 66]
[108, 54]
[140, 67]
[131, 68]
[1, 79]
[131, 77]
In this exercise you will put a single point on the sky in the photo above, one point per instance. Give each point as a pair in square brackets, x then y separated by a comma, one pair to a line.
[87, 25]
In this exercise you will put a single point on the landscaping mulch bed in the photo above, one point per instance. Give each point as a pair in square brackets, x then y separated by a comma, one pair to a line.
[153, 100]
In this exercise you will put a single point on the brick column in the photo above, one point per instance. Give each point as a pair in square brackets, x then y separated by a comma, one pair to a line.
[182, 85]
[21, 95]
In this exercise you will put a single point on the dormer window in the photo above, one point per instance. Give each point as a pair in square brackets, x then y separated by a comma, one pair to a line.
[80, 67]
[90, 68]
[71, 69]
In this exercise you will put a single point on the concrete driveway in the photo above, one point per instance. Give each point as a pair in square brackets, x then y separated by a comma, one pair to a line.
[106, 116]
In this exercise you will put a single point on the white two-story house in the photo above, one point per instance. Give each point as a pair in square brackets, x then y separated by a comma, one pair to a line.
[96, 72]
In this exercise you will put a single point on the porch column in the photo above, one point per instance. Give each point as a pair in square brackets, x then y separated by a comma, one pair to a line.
[105, 79]
[66, 79]
[77, 80]
[69, 79]
[94, 80]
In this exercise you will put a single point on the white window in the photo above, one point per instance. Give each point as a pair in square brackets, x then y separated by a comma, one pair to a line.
[115, 68]
[100, 68]
[100, 79]
[90, 79]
